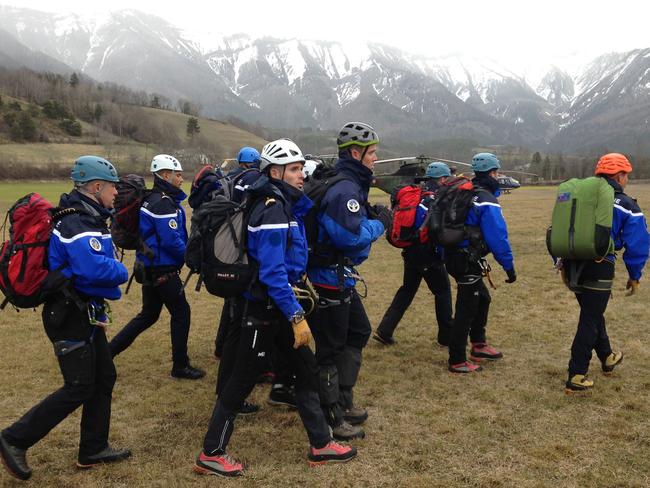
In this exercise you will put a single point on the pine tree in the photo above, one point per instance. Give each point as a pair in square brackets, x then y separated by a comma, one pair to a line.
[74, 80]
[193, 127]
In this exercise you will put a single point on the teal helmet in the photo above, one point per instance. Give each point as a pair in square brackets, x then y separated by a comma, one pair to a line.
[88, 168]
[437, 170]
[484, 162]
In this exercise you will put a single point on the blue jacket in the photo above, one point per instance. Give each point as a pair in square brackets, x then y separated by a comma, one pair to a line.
[486, 214]
[162, 225]
[82, 248]
[629, 231]
[277, 240]
[343, 223]
[241, 181]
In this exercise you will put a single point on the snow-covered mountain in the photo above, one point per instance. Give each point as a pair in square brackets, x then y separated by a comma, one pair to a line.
[288, 83]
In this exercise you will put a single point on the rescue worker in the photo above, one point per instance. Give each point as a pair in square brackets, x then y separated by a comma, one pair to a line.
[594, 281]
[271, 315]
[74, 319]
[163, 232]
[467, 264]
[345, 233]
[420, 261]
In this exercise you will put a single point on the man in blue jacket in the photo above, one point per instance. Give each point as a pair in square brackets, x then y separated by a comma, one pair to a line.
[594, 282]
[82, 249]
[345, 232]
[270, 314]
[163, 232]
[421, 262]
[466, 263]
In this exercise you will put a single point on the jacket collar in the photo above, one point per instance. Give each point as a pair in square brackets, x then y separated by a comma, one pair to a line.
[489, 183]
[356, 171]
[162, 186]
[617, 188]
[296, 201]
[77, 200]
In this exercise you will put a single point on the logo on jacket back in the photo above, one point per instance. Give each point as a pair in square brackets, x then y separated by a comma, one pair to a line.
[95, 244]
[173, 224]
[353, 205]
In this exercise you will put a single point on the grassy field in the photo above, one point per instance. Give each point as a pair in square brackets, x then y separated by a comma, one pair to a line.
[509, 426]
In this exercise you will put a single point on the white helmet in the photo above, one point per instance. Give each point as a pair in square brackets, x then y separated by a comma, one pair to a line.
[281, 152]
[165, 161]
[309, 167]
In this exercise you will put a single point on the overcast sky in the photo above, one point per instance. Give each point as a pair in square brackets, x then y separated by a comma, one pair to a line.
[508, 30]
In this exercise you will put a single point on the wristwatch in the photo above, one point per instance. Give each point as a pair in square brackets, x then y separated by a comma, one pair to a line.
[297, 317]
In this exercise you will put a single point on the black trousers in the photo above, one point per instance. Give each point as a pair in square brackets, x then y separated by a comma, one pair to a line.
[261, 329]
[472, 306]
[227, 341]
[591, 334]
[88, 375]
[172, 296]
[341, 330]
[436, 277]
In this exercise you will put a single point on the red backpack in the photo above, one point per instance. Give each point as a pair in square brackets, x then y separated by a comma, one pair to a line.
[25, 278]
[404, 201]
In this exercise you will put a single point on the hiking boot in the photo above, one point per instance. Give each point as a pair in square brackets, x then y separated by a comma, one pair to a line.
[332, 452]
[187, 373]
[219, 464]
[345, 432]
[611, 361]
[465, 367]
[481, 351]
[386, 341]
[578, 383]
[248, 408]
[282, 395]
[355, 415]
[15, 460]
[107, 455]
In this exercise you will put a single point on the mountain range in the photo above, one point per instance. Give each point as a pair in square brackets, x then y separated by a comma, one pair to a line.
[291, 83]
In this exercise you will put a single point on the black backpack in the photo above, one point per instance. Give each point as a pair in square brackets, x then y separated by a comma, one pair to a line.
[316, 186]
[448, 211]
[216, 248]
[125, 225]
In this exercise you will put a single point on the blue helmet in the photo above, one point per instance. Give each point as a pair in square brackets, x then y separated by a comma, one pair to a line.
[484, 162]
[437, 170]
[88, 168]
[248, 155]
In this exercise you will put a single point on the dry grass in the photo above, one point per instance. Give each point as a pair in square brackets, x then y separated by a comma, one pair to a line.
[510, 426]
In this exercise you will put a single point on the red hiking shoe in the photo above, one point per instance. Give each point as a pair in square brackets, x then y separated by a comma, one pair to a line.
[219, 464]
[332, 452]
[481, 351]
[465, 367]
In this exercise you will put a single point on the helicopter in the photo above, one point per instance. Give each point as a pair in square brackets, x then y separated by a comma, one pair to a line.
[413, 168]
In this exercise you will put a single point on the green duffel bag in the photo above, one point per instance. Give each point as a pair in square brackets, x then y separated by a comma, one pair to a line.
[582, 219]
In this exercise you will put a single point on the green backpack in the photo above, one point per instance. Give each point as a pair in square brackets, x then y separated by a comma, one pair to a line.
[582, 219]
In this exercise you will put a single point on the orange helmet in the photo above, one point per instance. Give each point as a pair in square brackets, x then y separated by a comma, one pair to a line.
[613, 163]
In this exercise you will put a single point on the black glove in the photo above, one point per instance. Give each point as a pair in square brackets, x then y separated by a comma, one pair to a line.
[512, 276]
[383, 214]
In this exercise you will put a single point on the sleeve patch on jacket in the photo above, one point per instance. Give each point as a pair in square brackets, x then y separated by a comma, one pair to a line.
[173, 224]
[353, 205]
[95, 244]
